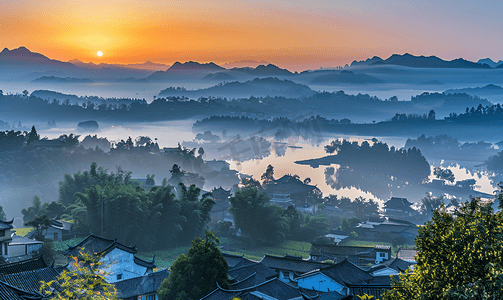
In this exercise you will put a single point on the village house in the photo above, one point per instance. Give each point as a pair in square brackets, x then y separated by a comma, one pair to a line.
[22, 246]
[407, 254]
[25, 277]
[290, 267]
[220, 210]
[31, 264]
[119, 261]
[269, 279]
[358, 255]
[5, 237]
[58, 231]
[398, 207]
[388, 229]
[143, 287]
[289, 190]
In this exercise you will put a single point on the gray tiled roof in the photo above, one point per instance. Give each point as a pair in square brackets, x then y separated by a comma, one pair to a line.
[96, 244]
[334, 296]
[30, 280]
[274, 288]
[407, 254]
[25, 265]
[398, 264]
[8, 292]
[250, 275]
[346, 272]
[396, 202]
[63, 225]
[141, 285]
[291, 263]
[236, 260]
[6, 224]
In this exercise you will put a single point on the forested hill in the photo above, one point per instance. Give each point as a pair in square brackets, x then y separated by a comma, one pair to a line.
[337, 105]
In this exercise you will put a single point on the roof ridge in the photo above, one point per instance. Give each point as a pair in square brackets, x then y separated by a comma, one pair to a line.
[246, 278]
[20, 290]
[248, 288]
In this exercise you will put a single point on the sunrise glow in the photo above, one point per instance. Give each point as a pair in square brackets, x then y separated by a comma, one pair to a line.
[295, 34]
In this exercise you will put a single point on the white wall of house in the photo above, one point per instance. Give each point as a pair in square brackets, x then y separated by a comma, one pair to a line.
[22, 249]
[320, 282]
[381, 256]
[54, 234]
[120, 265]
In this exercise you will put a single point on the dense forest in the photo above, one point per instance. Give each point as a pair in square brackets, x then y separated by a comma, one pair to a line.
[115, 206]
[46, 105]
[28, 168]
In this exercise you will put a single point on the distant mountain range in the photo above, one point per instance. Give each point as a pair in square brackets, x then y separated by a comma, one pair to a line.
[489, 89]
[148, 65]
[344, 77]
[491, 63]
[23, 56]
[212, 71]
[23, 64]
[54, 79]
[409, 60]
[245, 63]
[258, 87]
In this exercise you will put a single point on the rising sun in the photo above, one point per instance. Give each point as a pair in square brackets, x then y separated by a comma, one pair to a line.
[99, 53]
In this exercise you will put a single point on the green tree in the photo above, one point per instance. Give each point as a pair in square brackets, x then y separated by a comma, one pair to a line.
[41, 224]
[32, 136]
[197, 273]
[259, 222]
[345, 225]
[195, 210]
[314, 227]
[445, 174]
[85, 281]
[268, 176]
[33, 211]
[47, 250]
[459, 256]
[430, 203]
[150, 179]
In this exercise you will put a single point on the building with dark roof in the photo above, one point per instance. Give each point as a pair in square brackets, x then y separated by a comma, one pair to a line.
[119, 261]
[220, 210]
[9, 292]
[143, 287]
[58, 231]
[271, 289]
[358, 255]
[5, 236]
[344, 278]
[408, 255]
[30, 280]
[21, 246]
[398, 207]
[388, 229]
[391, 267]
[290, 267]
[234, 261]
[289, 190]
[250, 275]
[24, 265]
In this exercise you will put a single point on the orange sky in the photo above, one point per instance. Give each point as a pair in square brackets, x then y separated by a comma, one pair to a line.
[296, 34]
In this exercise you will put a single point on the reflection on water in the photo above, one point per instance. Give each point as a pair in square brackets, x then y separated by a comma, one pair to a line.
[282, 155]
